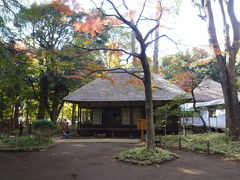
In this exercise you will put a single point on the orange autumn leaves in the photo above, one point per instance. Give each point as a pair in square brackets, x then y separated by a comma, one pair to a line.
[60, 5]
[92, 24]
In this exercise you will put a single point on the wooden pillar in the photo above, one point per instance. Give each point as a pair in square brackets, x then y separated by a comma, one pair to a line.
[131, 115]
[79, 116]
[109, 115]
[73, 114]
[131, 119]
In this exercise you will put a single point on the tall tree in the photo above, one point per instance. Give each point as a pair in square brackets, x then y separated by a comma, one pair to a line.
[47, 32]
[44, 30]
[143, 43]
[14, 67]
[225, 56]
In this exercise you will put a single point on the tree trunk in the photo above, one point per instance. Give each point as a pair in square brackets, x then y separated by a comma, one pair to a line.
[1, 106]
[43, 97]
[133, 45]
[196, 110]
[226, 69]
[155, 52]
[16, 113]
[149, 102]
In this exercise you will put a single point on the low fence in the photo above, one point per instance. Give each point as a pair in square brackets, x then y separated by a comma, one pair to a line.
[160, 143]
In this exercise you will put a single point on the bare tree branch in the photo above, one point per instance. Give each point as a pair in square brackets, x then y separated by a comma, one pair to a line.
[148, 19]
[105, 48]
[226, 27]
[128, 23]
[140, 15]
[235, 25]
[156, 26]
[124, 4]
[166, 36]
[113, 69]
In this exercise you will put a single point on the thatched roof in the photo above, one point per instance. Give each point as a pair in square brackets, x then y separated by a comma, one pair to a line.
[120, 88]
[208, 90]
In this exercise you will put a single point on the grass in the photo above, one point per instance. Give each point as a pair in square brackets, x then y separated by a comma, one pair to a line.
[219, 144]
[142, 156]
[23, 143]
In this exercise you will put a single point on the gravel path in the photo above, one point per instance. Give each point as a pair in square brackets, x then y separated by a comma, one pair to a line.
[77, 159]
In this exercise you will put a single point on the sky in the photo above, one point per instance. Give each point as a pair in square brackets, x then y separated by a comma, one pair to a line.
[186, 28]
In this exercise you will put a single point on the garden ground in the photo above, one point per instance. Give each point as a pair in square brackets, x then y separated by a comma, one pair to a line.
[94, 160]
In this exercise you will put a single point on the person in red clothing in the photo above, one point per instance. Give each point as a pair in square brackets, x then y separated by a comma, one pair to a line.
[65, 129]
[65, 126]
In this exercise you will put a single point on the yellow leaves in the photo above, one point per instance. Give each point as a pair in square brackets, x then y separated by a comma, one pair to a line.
[201, 62]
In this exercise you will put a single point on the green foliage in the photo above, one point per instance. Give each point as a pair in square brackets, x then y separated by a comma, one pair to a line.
[238, 84]
[189, 114]
[22, 143]
[143, 156]
[169, 109]
[44, 126]
[196, 61]
[219, 143]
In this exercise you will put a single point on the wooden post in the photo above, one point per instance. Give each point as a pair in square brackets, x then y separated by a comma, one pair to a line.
[142, 134]
[160, 142]
[73, 115]
[131, 118]
[16, 143]
[48, 138]
[179, 143]
[39, 139]
[208, 148]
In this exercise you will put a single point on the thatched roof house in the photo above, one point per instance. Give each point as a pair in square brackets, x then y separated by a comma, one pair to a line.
[115, 103]
[208, 90]
[122, 87]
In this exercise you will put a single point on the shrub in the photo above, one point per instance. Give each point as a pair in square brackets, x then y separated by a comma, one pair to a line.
[142, 156]
[23, 143]
[44, 126]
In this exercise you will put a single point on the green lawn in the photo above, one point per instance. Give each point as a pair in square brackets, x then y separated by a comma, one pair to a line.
[219, 143]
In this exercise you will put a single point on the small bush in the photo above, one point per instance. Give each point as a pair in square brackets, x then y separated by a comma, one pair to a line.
[44, 126]
[142, 156]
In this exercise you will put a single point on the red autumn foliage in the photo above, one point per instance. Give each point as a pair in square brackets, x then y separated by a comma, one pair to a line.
[61, 6]
[185, 80]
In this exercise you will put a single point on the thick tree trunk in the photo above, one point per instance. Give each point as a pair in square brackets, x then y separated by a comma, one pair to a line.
[43, 97]
[226, 69]
[54, 113]
[228, 82]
